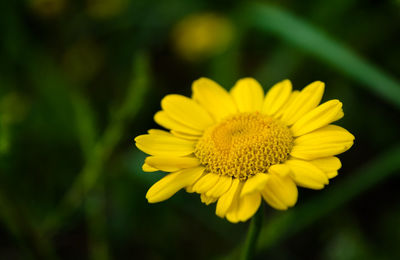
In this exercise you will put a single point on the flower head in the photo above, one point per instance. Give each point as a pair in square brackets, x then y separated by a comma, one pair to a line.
[237, 147]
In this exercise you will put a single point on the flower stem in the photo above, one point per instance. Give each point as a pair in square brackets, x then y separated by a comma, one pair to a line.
[252, 235]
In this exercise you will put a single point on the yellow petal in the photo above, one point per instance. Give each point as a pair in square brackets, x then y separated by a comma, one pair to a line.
[324, 142]
[307, 175]
[148, 168]
[287, 104]
[186, 111]
[254, 184]
[331, 175]
[172, 183]
[206, 183]
[276, 97]
[318, 151]
[279, 169]
[223, 184]
[318, 117]
[307, 100]
[215, 99]
[326, 134]
[189, 189]
[157, 132]
[185, 136]
[169, 163]
[164, 145]
[273, 201]
[164, 120]
[280, 192]
[232, 212]
[248, 206]
[243, 208]
[329, 165]
[207, 200]
[225, 201]
[248, 95]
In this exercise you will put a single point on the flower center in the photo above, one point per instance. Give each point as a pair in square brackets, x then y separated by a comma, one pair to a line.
[243, 145]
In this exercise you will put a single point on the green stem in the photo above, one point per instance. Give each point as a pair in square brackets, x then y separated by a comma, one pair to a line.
[252, 235]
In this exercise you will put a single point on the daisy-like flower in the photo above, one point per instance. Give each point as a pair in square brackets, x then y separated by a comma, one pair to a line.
[235, 148]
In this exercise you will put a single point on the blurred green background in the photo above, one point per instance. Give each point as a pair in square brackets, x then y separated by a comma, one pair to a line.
[80, 79]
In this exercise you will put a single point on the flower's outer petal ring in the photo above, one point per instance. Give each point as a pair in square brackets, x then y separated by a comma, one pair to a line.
[325, 135]
[164, 120]
[281, 170]
[292, 97]
[320, 116]
[189, 189]
[185, 136]
[207, 200]
[221, 187]
[164, 145]
[248, 95]
[206, 182]
[324, 142]
[276, 97]
[280, 192]
[226, 200]
[307, 100]
[172, 183]
[254, 184]
[157, 132]
[186, 111]
[148, 168]
[319, 151]
[169, 163]
[215, 99]
[244, 207]
[231, 213]
[329, 165]
[305, 174]
[248, 206]
[331, 175]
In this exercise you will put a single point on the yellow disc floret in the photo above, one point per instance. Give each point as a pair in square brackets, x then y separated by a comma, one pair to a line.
[243, 145]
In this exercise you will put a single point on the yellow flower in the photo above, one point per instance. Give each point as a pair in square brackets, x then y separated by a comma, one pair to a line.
[202, 36]
[238, 147]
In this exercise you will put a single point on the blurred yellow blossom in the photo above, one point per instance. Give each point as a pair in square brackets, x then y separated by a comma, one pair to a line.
[201, 36]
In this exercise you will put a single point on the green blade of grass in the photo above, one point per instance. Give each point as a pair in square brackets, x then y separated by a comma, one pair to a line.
[298, 218]
[85, 122]
[305, 36]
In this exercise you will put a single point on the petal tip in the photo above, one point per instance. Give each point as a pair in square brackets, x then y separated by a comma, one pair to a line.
[287, 82]
[316, 86]
[138, 138]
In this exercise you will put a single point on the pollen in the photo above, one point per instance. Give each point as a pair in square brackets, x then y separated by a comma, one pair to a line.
[243, 145]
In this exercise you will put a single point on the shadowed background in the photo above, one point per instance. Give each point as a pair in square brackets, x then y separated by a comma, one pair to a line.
[80, 79]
